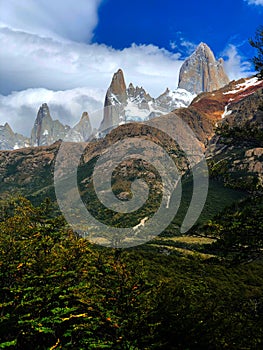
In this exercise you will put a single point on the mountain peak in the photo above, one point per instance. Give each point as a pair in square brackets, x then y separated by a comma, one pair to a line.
[135, 104]
[85, 116]
[116, 97]
[201, 72]
[43, 114]
[46, 130]
[82, 130]
[118, 85]
[11, 140]
[202, 46]
[8, 128]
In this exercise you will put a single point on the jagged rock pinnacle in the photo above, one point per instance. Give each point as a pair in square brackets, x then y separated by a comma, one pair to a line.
[46, 130]
[83, 130]
[115, 100]
[118, 86]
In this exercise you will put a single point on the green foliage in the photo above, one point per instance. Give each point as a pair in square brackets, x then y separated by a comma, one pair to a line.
[59, 292]
[232, 166]
[257, 43]
[247, 134]
[239, 230]
[54, 287]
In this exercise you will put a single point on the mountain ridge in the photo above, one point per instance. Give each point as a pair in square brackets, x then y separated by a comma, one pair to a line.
[127, 104]
[206, 118]
[124, 104]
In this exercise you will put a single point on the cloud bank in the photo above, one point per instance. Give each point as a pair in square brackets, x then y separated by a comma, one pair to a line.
[19, 109]
[66, 19]
[30, 61]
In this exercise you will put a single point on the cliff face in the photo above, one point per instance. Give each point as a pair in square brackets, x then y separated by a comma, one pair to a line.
[117, 87]
[201, 72]
[116, 98]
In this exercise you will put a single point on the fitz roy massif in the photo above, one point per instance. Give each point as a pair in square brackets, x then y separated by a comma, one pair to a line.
[199, 73]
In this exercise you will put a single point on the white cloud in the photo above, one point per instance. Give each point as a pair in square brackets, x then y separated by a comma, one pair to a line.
[173, 45]
[182, 45]
[190, 47]
[19, 109]
[30, 61]
[234, 65]
[255, 2]
[70, 19]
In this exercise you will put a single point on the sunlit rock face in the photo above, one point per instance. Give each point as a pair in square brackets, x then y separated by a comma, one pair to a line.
[201, 72]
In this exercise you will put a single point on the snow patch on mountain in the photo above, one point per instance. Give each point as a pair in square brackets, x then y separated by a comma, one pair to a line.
[243, 86]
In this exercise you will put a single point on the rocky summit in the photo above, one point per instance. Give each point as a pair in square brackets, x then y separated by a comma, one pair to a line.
[201, 72]
[124, 104]
[46, 130]
[81, 131]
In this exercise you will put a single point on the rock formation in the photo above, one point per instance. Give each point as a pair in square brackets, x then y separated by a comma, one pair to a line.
[115, 100]
[46, 130]
[201, 72]
[232, 158]
[124, 105]
[81, 131]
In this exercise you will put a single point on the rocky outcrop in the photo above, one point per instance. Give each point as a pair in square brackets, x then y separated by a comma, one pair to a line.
[235, 152]
[11, 140]
[117, 88]
[201, 72]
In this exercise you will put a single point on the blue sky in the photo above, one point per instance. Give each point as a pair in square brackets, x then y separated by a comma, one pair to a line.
[64, 52]
[170, 23]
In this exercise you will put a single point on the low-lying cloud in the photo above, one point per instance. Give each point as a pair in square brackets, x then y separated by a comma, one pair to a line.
[30, 61]
[19, 109]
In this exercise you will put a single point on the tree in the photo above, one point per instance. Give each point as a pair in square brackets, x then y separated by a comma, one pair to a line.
[238, 230]
[257, 43]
